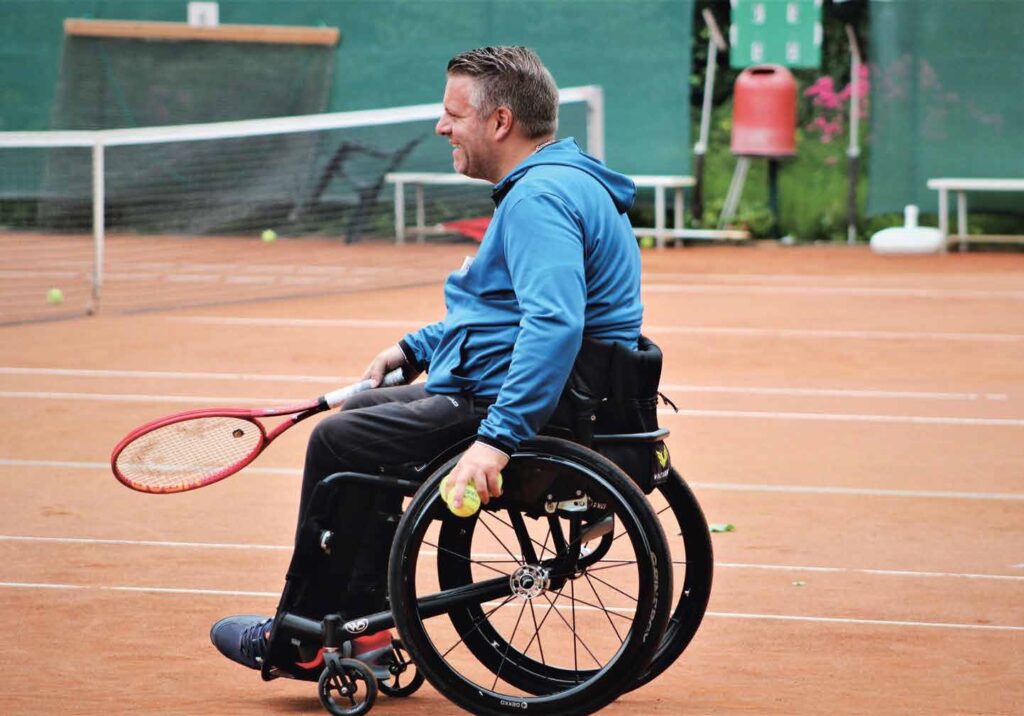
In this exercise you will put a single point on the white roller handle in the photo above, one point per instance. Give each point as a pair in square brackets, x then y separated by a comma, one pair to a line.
[339, 396]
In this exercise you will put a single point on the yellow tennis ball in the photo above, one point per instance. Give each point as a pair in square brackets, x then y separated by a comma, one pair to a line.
[470, 498]
[647, 242]
[55, 296]
[269, 235]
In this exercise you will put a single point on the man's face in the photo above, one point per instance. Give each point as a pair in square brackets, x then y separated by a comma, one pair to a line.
[467, 132]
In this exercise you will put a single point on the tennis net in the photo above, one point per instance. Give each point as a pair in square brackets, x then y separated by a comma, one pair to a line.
[65, 193]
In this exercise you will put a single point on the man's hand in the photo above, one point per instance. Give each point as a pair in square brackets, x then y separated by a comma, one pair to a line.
[479, 465]
[385, 362]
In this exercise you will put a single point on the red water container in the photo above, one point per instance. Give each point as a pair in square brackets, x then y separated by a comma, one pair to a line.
[764, 112]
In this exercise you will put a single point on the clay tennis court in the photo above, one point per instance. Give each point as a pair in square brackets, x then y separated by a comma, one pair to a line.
[858, 419]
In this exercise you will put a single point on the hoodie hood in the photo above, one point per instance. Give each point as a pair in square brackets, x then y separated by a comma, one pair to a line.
[565, 152]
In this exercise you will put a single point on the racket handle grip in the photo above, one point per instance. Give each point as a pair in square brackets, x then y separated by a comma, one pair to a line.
[337, 397]
[395, 377]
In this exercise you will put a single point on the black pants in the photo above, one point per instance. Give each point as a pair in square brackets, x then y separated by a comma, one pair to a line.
[388, 430]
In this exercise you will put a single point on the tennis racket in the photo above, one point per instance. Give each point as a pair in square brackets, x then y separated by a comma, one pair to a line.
[196, 448]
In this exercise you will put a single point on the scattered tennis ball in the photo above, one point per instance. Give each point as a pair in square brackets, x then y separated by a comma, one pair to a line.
[647, 242]
[55, 296]
[269, 235]
[470, 497]
[721, 527]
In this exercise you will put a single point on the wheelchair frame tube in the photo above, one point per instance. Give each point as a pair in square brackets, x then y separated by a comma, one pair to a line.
[431, 606]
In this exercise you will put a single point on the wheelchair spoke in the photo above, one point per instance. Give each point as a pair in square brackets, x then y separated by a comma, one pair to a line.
[499, 540]
[476, 625]
[603, 608]
[536, 628]
[575, 635]
[613, 564]
[599, 608]
[459, 555]
[508, 645]
[543, 546]
[536, 634]
[610, 586]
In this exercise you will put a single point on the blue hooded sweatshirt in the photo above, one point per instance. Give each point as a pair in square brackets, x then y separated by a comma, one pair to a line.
[559, 262]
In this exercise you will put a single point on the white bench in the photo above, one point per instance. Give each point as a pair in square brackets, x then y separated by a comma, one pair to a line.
[660, 184]
[961, 186]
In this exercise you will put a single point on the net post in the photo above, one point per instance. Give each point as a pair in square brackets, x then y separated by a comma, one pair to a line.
[98, 224]
[595, 121]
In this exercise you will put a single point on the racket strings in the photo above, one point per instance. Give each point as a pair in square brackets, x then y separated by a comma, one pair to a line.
[189, 452]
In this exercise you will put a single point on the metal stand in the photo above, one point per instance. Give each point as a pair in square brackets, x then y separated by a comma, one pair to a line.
[716, 43]
[739, 178]
[732, 198]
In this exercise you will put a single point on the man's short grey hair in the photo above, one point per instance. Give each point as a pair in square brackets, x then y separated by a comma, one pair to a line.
[512, 77]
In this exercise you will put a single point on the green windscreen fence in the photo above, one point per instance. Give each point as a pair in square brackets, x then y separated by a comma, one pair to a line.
[168, 76]
[392, 53]
[110, 82]
[946, 99]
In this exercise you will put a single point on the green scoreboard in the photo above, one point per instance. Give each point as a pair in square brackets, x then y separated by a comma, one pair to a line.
[776, 32]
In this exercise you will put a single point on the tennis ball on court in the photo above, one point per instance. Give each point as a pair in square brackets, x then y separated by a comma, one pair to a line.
[269, 235]
[470, 498]
[647, 242]
[55, 296]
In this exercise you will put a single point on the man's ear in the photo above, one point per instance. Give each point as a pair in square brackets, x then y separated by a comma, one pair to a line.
[503, 122]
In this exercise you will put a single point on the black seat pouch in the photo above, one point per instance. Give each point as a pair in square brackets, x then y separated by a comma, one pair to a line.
[610, 404]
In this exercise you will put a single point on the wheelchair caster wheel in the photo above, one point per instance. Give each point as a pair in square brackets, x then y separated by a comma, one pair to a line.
[403, 682]
[347, 687]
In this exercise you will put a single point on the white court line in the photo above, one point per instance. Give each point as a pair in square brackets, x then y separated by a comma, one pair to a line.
[873, 572]
[731, 487]
[727, 615]
[838, 334]
[843, 417]
[345, 379]
[298, 322]
[148, 398]
[81, 465]
[154, 590]
[652, 330]
[287, 548]
[747, 414]
[864, 622]
[180, 375]
[895, 292]
[796, 279]
[857, 491]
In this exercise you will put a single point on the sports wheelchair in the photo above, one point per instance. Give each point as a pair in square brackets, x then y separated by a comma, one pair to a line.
[556, 597]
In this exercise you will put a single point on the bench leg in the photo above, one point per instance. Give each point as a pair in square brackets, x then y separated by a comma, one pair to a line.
[944, 217]
[961, 218]
[421, 223]
[659, 216]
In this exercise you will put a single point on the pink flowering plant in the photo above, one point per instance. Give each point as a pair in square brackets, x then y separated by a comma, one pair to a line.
[830, 107]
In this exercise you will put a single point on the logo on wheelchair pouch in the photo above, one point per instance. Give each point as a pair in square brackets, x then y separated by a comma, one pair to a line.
[356, 626]
[662, 454]
[661, 474]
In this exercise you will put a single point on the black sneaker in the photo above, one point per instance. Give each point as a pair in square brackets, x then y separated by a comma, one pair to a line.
[242, 638]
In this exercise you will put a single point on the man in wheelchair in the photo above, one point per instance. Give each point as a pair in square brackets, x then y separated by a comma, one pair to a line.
[558, 269]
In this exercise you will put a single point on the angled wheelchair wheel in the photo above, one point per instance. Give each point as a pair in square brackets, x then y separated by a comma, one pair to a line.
[405, 679]
[347, 687]
[692, 566]
[552, 599]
